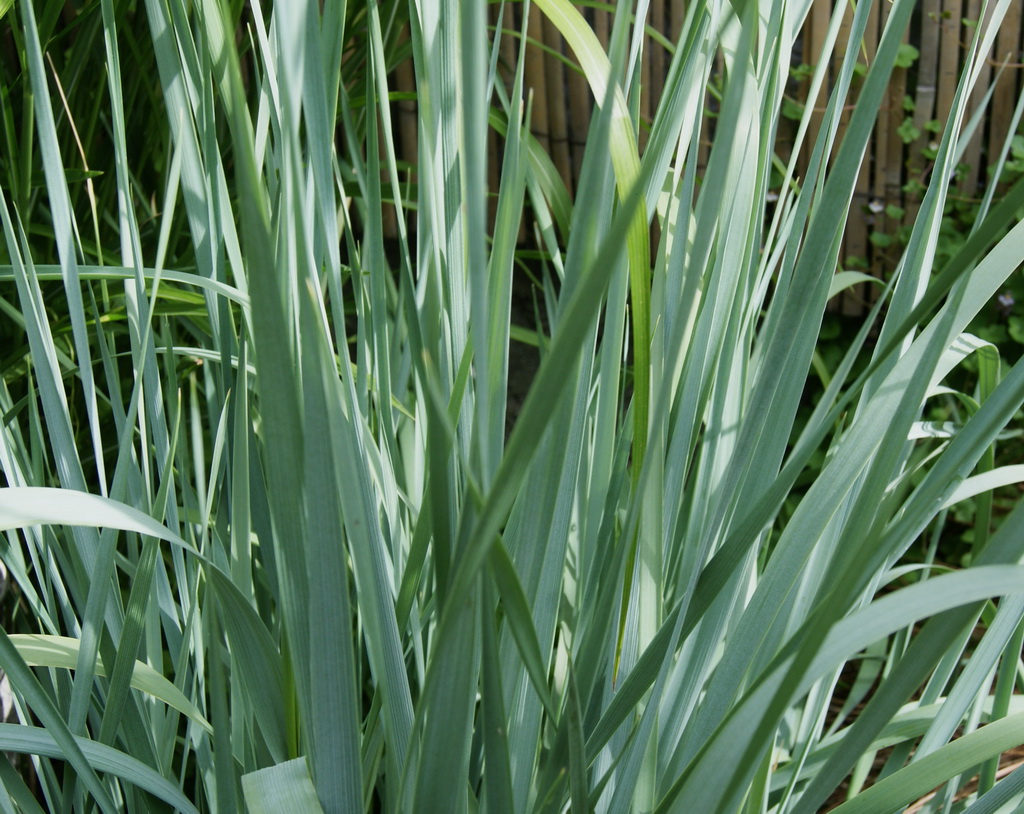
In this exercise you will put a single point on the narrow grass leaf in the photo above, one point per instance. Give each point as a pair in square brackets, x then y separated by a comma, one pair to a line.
[986, 482]
[284, 787]
[22, 506]
[917, 779]
[64, 744]
[520, 622]
[37, 741]
[42, 650]
[258, 660]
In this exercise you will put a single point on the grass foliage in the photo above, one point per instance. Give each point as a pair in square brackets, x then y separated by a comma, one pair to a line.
[268, 542]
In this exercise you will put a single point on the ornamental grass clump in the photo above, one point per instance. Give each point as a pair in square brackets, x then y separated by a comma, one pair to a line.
[268, 544]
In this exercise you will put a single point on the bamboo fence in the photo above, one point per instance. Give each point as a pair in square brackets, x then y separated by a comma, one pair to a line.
[920, 98]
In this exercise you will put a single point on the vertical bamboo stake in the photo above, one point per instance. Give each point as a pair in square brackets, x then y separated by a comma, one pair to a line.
[389, 214]
[973, 154]
[494, 144]
[708, 124]
[511, 43]
[815, 34]
[579, 120]
[855, 240]
[657, 60]
[889, 152]
[924, 97]
[949, 58]
[677, 15]
[408, 119]
[558, 128]
[859, 224]
[536, 79]
[866, 178]
[602, 29]
[508, 52]
[647, 98]
[1007, 49]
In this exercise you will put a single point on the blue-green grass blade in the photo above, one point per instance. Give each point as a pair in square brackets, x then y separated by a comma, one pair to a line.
[17, 791]
[882, 618]
[917, 779]
[578, 785]
[334, 726]
[498, 776]
[86, 272]
[63, 225]
[520, 622]
[962, 453]
[273, 340]
[998, 796]
[219, 749]
[284, 787]
[41, 650]
[624, 156]
[63, 744]
[258, 662]
[547, 389]
[439, 758]
[973, 683]
[37, 741]
[22, 506]
[543, 171]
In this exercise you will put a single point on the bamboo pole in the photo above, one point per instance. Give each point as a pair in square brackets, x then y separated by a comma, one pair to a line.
[407, 120]
[389, 214]
[949, 58]
[536, 80]
[508, 50]
[1007, 50]
[558, 127]
[925, 94]
[657, 60]
[973, 156]
[708, 123]
[855, 239]
[888, 159]
[645, 102]
[580, 109]
[677, 15]
[866, 178]
[815, 34]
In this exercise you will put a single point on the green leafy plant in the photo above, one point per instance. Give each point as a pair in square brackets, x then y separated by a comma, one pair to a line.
[257, 484]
